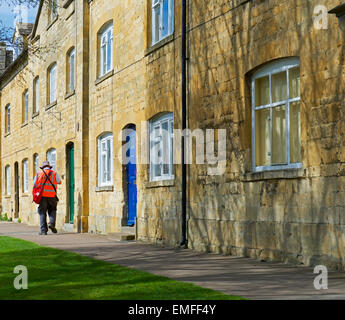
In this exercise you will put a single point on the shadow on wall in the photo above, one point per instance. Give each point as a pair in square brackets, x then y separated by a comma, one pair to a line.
[296, 220]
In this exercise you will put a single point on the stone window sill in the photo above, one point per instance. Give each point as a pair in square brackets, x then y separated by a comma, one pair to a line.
[159, 184]
[274, 174]
[104, 77]
[7, 196]
[24, 124]
[67, 3]
[36, 114]
[52, 22]
[35, 39]
[51, 105]
[104, 189]
[25, 195]
[7, 134]
[70, 15]
[69, 94]
[159, 44]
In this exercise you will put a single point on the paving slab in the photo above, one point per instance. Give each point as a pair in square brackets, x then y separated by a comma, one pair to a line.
[245, 277]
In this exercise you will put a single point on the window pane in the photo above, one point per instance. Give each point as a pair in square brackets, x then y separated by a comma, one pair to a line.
[155, 152]
[294, 82]
[279, 89]
[36, 108]
[279, 135]
[157, 169]
[171, 146]
[103, 60]
[156, 23]
[8, 180]
[109, 160]
[165, 24]
[161, 158]
[71, 81]
[52, 87]
[295, 132]
[51, 157]
[25, 176]
[8, 119]
[165, 145]
[109, 51]
[36, 164]
[262, 136]
[26, 103]
[104, 166]
[262, 92]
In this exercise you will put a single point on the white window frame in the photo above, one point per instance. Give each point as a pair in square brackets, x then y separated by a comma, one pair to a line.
[157, 122]
[26, 106]
[53, 83]
[36, 92]
[71, 62]
[271, 69]
[26, 176]
[104, 153]
[160, 5]
[106, 61]
[51, 157]
[8, 179]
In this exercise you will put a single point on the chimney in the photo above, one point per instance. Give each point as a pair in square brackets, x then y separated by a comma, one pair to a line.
[6, 57]
[9, 57]
[2, 57]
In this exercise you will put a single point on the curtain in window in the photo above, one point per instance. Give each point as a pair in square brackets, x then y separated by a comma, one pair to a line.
[279, 92]
[263, 139]
[279, 135]
[262, 91]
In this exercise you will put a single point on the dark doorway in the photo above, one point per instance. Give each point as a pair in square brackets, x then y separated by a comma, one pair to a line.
[70, 182]
[131, 175]
[16, 190]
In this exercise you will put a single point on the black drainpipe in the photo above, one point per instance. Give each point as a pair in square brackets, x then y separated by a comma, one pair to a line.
[184, 124]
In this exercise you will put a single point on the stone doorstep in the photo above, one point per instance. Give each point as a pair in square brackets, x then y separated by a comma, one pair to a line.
[68, 227]
[120, 236]
[128, 230]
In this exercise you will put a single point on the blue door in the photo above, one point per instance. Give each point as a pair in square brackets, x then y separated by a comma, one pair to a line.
[131, 178]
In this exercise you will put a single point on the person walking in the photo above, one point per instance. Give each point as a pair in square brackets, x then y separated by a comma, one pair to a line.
[50, 179]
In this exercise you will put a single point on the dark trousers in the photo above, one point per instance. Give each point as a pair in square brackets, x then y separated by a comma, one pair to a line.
[50, 205]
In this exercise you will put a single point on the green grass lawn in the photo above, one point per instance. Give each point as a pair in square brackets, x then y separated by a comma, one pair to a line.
[57, 274]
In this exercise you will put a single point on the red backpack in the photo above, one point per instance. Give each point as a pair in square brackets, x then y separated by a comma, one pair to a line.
[37, 192]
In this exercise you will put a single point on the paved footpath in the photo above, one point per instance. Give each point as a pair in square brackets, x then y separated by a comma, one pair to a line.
[237, 276]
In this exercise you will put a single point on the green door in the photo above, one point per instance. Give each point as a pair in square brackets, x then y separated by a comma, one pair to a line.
[71, 184]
